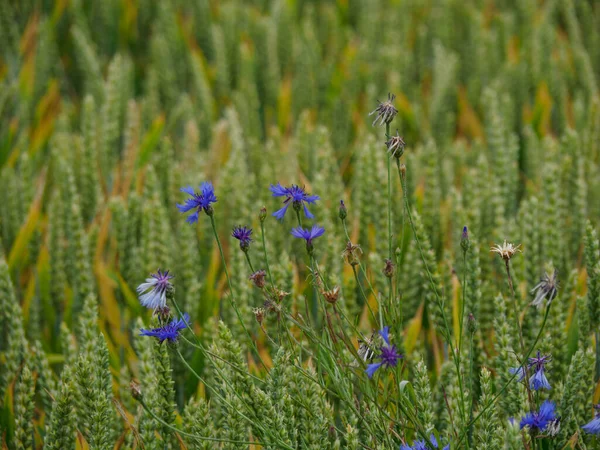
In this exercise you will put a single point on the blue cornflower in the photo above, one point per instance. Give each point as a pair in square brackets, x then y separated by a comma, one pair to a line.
[389, 355]
[542, 418]
[308, 235]
[243, 234]
[153, 293]
[538, 380]
[294, 195]
[593, 427]
[199, 201]
[170, 331]
[422, 445]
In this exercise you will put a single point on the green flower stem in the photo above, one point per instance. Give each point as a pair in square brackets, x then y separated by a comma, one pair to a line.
[464, 294]
[249, 262]
[364, 272]
[363, 292]
[232, 301]
[262, 236]
[447, 336]
[521, 341]
[193, 436]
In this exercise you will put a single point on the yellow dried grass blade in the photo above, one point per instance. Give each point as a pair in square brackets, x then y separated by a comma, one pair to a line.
[19, 248]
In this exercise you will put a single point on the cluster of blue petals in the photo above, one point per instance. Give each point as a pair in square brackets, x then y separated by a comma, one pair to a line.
[388, 356]
[422, 445]
[170, 331]
[199, 200]
[292, 194]
[540, 419]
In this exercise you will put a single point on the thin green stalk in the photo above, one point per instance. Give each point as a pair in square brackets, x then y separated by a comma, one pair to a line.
[464, 294]
[518, 323]
[262, 236]
[362, 269]
[389, 195]
[193, 436]
[232, 301]
[471, 364]
[363, 292]
[249, 262]
[455, 355]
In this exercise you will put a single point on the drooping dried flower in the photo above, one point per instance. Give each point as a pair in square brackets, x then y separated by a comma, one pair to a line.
[546, 289]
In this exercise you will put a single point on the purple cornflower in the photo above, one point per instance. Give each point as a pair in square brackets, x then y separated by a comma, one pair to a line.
[593, 427]
[295, 196]
[308, 235]
[538, 380]
[389, 355]
[170, 331]
[199, 201]
[243, 234]
[540, 419]
[421, 445]
[153, 293]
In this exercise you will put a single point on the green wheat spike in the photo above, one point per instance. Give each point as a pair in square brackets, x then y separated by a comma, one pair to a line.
[485, 434]
[60, 430]
[13, 334]
[198, 421]
[24, 408]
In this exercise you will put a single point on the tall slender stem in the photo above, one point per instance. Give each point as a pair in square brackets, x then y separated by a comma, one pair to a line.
[262, 236]
[232, 301]
[518, 324]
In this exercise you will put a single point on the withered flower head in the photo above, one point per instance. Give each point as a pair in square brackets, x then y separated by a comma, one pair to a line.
[395, 145]
[136, 390]
[385, 111]
[259, 315]
[352, 253]
[389, 268]
[258, 278]
[506, 250]
[546, 289]
[271, 306]
[332, 295]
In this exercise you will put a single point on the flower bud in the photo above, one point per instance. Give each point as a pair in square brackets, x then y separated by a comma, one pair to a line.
[465, 243]
[259, 315]
[262, 214]
[136, 390]
[343, 213]
[389, 268]
[471, 324]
